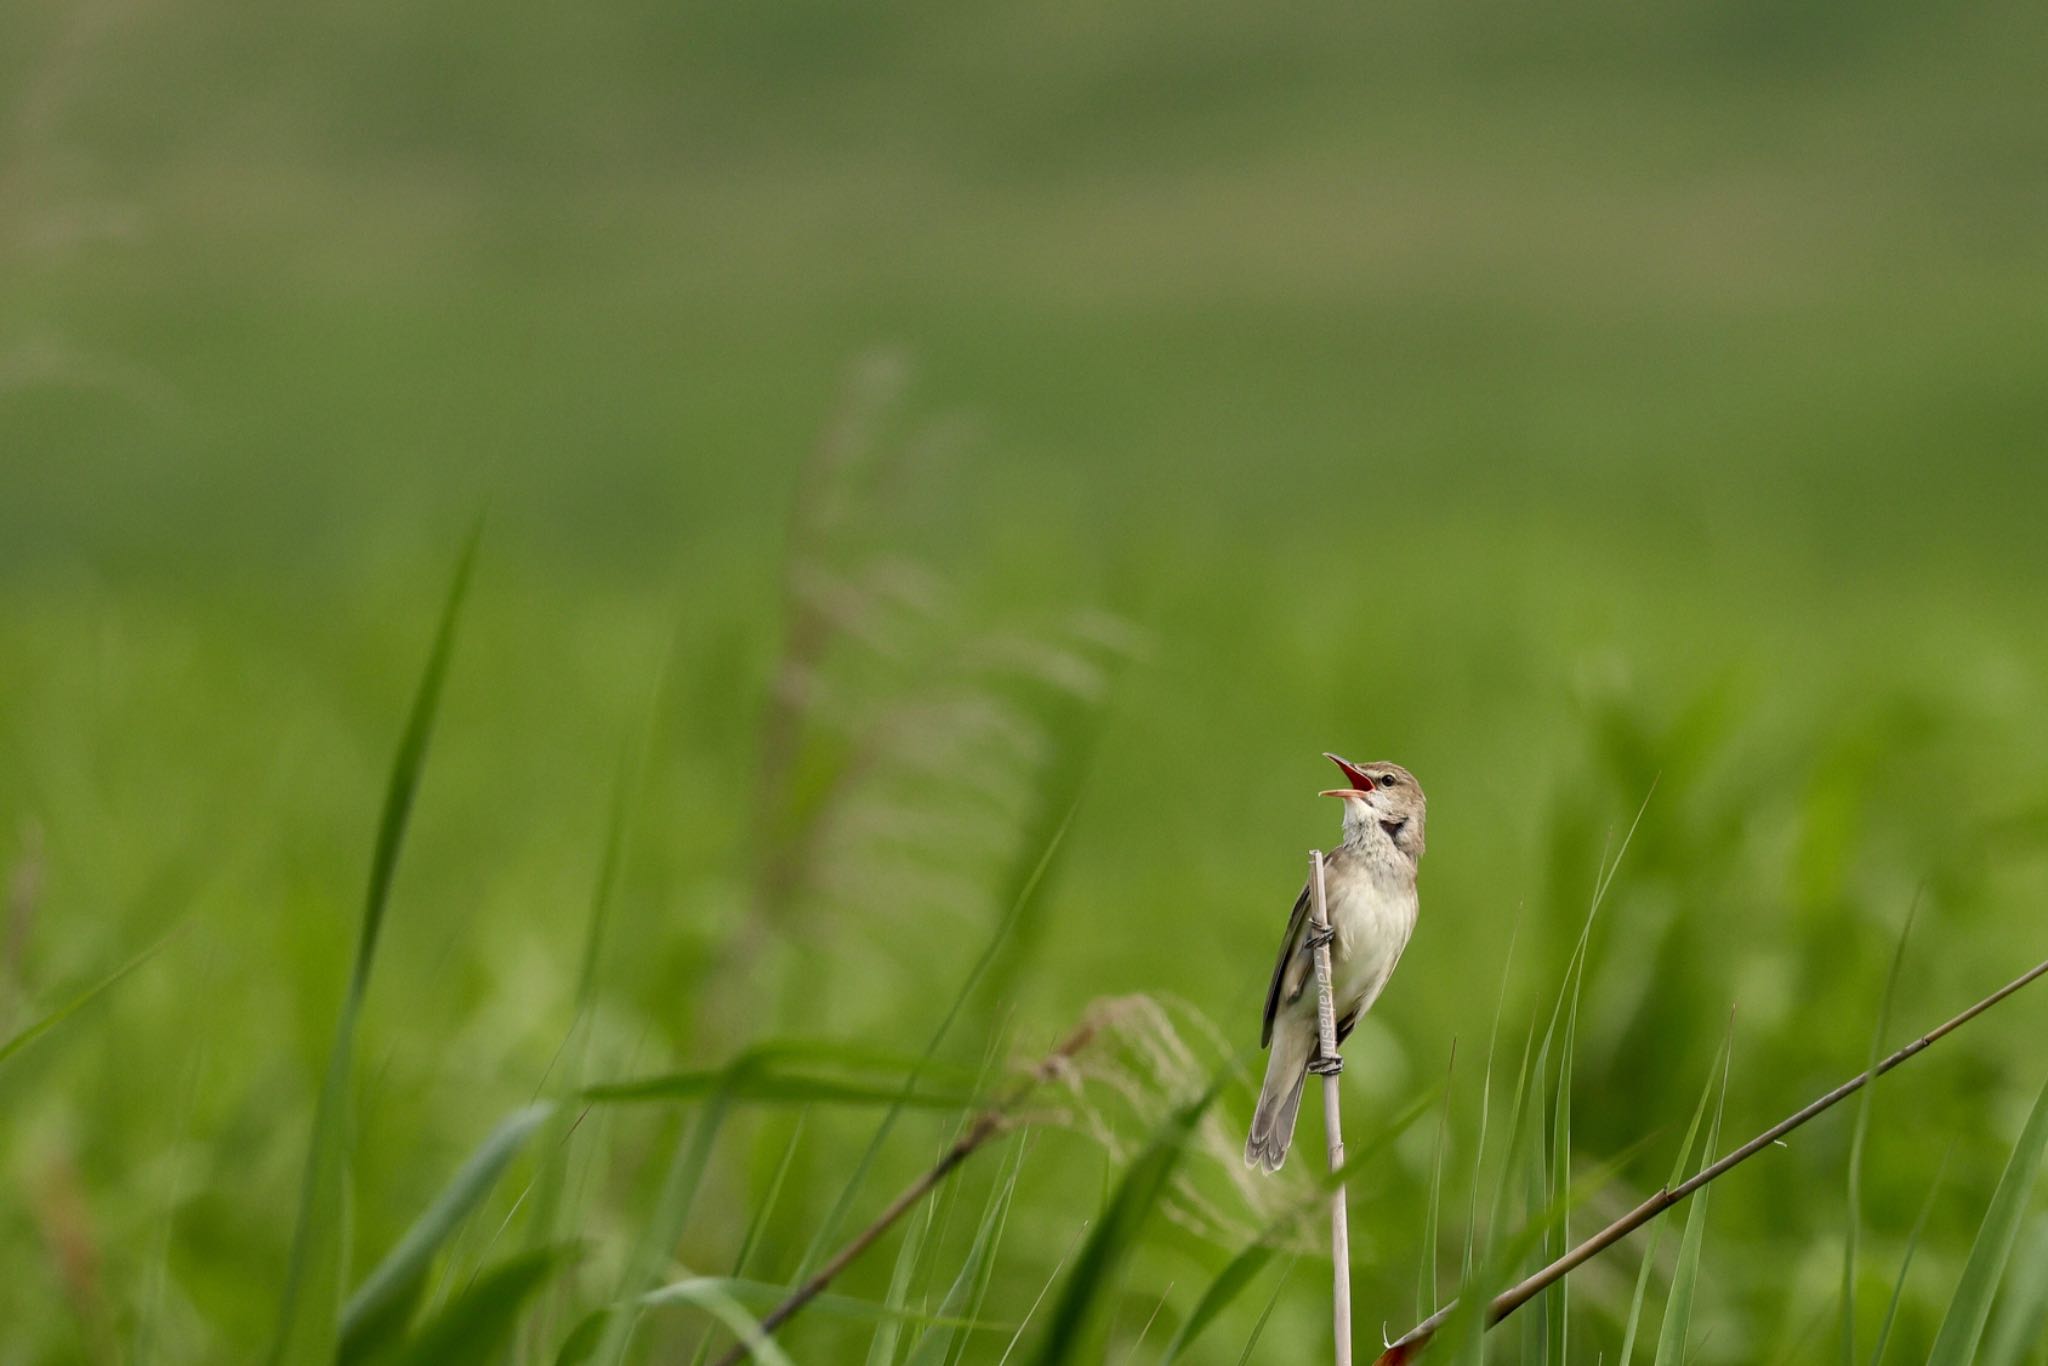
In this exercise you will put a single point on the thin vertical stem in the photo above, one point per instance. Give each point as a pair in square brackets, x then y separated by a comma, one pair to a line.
[1333, 1124]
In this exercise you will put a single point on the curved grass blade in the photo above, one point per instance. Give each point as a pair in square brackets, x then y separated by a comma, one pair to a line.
[1858, 1135]
[748, 1294]
[708, 1294]
[310, 1308]
[378, 1310]
[1963, 1326]
[1677, 1323]
[477, 1325]
[1114, 1236]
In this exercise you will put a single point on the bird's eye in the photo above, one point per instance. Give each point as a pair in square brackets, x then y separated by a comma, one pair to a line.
[1388, 779]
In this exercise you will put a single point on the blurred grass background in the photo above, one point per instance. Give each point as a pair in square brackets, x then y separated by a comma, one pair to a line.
[1562, 402]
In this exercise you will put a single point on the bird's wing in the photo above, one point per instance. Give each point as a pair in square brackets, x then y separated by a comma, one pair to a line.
[1288, 980]
[1297, 929]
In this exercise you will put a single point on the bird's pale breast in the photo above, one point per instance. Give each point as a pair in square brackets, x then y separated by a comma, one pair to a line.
[1373, 918]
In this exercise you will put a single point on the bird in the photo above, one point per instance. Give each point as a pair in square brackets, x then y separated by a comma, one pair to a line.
[1370, 897]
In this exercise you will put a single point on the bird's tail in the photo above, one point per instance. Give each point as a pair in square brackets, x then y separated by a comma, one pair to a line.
[1279, 1098]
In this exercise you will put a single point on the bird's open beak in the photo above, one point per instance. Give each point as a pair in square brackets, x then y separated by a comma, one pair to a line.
[1360, 782]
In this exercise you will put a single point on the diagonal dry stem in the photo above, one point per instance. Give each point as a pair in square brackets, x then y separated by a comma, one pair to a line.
[1410, 1344]
[987, 1125]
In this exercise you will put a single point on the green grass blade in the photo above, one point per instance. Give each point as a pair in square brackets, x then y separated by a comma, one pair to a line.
[1963, 1326]
[1030, 887]
[380, 1306]
[661, 1233]
[1241, 1270]
[43, 1024]
[552, 1178]
[2023, 1316]
[764, 1210]
[1043, 1291]
[779, 1084]
[750, 1294]
[710, 1294]
[937, 1345]
[477, 1325]
[310, 1308]
[1558, 1299]
[404, 783]
[1116, 1233]
[1859, 1135]
[1463, 1338]
[987, 1274]
[1649, 1263]
[1685, 1277]
[1891, 1311]
[1425, 1280]
[1467, 1263]
[1228, 1284]
[1259, 1327]
[882, 1350]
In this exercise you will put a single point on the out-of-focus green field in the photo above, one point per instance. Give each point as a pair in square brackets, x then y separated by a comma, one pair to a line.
[1596, 409]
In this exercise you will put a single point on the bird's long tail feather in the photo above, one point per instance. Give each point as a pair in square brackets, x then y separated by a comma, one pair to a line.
[1280, 1098]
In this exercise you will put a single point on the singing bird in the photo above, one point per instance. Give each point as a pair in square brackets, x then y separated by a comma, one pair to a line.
[1369, 894]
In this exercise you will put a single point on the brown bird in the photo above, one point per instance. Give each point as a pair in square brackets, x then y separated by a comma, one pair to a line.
[1369, 893]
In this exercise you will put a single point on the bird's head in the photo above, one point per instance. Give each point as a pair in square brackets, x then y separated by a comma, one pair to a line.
[1385, 796]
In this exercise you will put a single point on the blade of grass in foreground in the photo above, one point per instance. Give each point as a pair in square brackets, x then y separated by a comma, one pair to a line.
[310, 1308]
[379, 1308]
[1685, 1277]
[1858, 1135]
[1073, 1321]
[2025, 1311]
[764, 1210]
[671, 1213]
[1963, 1326]
[477, 1324]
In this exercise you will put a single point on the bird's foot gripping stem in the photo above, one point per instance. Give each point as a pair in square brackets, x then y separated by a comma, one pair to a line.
[1317, 938]
[1326, 1066]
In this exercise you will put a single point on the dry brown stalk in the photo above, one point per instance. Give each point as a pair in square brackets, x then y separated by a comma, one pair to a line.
[1410, 1344]
[986, 1125]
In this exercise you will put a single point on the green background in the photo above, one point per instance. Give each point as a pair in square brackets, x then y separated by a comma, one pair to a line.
[1565, 402]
